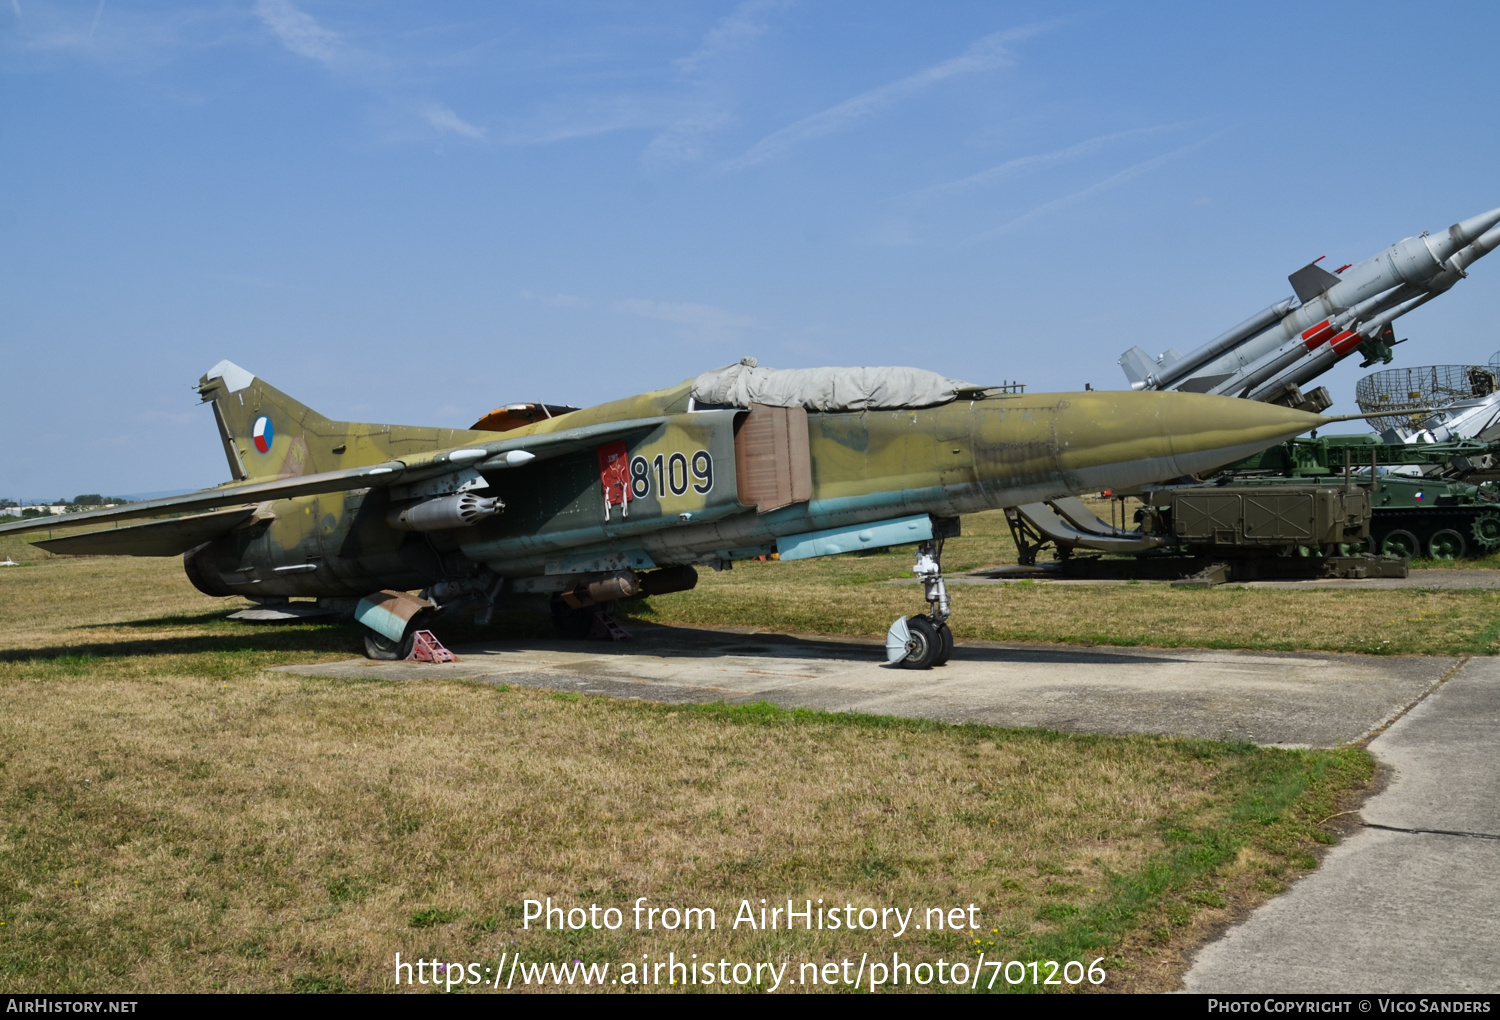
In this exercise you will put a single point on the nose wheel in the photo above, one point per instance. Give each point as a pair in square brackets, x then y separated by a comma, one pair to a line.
[921, 642]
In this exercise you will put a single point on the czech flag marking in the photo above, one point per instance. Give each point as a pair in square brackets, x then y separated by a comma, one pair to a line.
[264, 434]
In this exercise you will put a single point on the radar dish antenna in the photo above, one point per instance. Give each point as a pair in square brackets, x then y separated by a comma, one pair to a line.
[1397, 392]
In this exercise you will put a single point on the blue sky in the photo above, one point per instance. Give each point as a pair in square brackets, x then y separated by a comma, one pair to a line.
[416, 212]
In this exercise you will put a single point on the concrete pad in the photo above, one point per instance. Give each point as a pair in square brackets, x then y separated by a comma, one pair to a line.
[1302, 699]
[1409, 904]
[1387, 912]
[1446, 757]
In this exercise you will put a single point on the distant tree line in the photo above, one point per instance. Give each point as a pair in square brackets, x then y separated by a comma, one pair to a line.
[79, 502]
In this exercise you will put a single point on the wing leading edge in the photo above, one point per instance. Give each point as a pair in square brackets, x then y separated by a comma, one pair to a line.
[492, 456]
[156, 538]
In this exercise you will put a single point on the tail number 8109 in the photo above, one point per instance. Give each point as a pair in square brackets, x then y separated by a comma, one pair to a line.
[671, 474]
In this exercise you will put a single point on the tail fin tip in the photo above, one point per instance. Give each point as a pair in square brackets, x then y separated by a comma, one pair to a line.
[1137, 364]
[235, 378]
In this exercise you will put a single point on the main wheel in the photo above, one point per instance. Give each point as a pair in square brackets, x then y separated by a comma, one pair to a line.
[1400, 543]
[378, 646]
[1446, 545]
[923, 644]
[945, 649]
[1486, 530]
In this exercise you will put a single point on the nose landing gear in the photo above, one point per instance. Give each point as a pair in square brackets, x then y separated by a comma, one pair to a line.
[921, 642]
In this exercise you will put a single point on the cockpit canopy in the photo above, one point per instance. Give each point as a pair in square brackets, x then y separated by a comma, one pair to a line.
[515, 416]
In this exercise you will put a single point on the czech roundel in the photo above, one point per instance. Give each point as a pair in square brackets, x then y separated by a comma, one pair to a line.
[264, 434]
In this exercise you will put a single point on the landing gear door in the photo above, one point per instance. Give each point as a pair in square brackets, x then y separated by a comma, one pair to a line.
[772, 462]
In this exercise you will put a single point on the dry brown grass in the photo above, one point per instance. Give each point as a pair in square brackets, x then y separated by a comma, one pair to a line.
[176, 817]
[15, 547]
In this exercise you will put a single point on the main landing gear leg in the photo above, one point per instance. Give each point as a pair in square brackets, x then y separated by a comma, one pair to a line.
[921, 642]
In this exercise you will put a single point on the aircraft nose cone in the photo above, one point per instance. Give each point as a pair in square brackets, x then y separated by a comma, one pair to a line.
[1119, 439]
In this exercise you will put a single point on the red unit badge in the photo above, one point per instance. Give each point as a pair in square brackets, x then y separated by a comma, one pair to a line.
[614, 476]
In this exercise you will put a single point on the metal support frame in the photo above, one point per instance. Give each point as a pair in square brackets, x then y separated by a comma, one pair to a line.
[1029, 541]
[605, 628]
[929, 570]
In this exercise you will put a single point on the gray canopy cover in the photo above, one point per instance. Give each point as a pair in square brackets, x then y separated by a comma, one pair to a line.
[826, 389]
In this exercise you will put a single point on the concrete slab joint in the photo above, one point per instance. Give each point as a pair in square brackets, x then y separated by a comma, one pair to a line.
[1409, 903]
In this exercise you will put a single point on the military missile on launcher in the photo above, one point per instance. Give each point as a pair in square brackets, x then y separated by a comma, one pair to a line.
[1427, 485]
[584, 507]
[1271, 355]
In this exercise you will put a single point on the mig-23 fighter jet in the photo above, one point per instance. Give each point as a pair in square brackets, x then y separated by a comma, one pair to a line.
[587, 506]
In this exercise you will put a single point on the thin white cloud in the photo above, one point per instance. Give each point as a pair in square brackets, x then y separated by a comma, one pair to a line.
[703, 317]
[682, 122]
[1130, 173]
[445, 119]
[300, 32]
[685, 140]
[1020, 165]
[986, 54]
[596, 117]
[132, 40]
[303, 35]
[733, 30]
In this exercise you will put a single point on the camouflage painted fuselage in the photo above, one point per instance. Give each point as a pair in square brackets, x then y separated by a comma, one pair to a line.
[687, 507]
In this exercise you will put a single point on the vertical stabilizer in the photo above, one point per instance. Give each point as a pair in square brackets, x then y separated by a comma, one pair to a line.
[267, 434]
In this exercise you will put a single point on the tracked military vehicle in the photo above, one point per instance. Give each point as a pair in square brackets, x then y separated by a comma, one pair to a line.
[1438, 500]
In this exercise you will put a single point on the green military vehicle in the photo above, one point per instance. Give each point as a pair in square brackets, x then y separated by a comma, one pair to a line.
[1439, 500]
[1209, 534]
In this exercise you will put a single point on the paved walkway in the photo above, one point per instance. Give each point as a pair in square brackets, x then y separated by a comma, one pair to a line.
[1299, 699]
[1412, 902]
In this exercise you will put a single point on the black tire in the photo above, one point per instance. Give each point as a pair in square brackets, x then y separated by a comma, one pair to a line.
[572, 624]
[1400, 543]
[945, 649]
[923, 644]
[382, 648]
[1447, 545]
